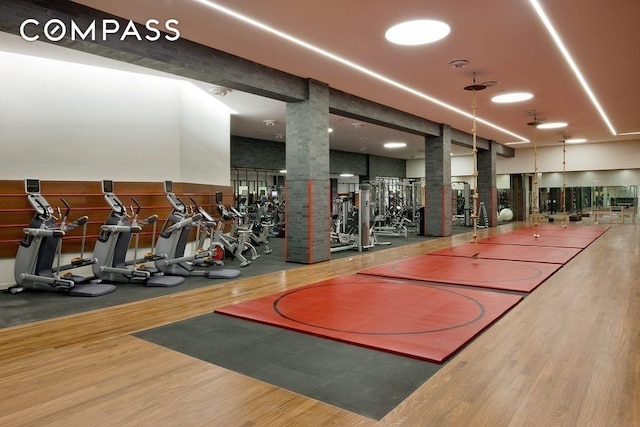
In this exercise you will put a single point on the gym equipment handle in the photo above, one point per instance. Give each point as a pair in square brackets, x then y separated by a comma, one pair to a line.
[43, 233]
[121, 228]
[77, 223]
[181, 224]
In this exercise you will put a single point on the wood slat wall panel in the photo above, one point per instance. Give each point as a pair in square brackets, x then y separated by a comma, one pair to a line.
[86, 198]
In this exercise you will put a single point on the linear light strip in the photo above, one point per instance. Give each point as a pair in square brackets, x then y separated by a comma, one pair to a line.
[556, 38]
[349, 64]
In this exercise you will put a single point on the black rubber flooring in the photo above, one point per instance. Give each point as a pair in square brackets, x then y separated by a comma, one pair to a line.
[367, 382]
[28, 307]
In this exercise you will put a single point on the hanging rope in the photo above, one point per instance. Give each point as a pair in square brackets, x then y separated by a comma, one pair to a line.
[536, 207]
[474, 215]
[475, 175]
[564, 182]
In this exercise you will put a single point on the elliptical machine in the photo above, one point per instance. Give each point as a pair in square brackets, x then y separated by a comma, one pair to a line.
[173, 239]
[42, 244]
[258, 230]
[113, 243]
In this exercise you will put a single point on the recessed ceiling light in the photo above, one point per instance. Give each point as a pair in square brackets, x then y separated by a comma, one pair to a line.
[512, 97]
[330, 130]
[575, 140]
[421, 31]
[395, 144]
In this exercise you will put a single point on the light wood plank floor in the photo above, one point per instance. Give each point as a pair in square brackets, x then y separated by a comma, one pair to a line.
[568, 355]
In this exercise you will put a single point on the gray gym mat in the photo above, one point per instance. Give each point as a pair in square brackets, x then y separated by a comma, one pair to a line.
[368, 382]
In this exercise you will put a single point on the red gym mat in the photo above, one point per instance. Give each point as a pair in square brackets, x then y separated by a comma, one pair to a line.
[546, 239]
[512, 252]
[421, 320]
[485, 273]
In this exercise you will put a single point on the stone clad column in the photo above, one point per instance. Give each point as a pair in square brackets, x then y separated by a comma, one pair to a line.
[307, 183]
[487, 190]
[438, 200]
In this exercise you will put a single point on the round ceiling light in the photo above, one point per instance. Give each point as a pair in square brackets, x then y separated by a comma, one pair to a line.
[395, 144]
[552, 125]
[506, 98]
[421, 31]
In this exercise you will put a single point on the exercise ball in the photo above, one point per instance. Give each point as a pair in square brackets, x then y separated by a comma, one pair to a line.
[505, 214]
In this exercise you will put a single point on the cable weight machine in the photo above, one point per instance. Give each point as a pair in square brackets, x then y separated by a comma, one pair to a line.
[396, 207]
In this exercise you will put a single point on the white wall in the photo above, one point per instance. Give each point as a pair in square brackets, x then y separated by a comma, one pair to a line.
[579, 157]
[69, 121]
[460, 166]
[74, 122]
[461, 170]
[205, 130]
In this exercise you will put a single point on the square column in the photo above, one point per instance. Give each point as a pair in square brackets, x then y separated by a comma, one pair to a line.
[307, 183]
[487, 190]
[438, 210]
[518, 197]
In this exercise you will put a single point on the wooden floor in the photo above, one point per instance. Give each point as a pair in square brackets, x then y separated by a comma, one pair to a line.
[568, 355]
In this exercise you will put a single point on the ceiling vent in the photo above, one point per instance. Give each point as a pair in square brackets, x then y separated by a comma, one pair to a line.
[459, 63]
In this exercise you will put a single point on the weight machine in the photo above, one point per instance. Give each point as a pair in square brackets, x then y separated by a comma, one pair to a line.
[352, 225]
[396, 207]
[461, 192]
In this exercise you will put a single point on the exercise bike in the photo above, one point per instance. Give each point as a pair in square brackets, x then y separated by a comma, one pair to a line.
[42, 245]
[234, 245]
[258, 225]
